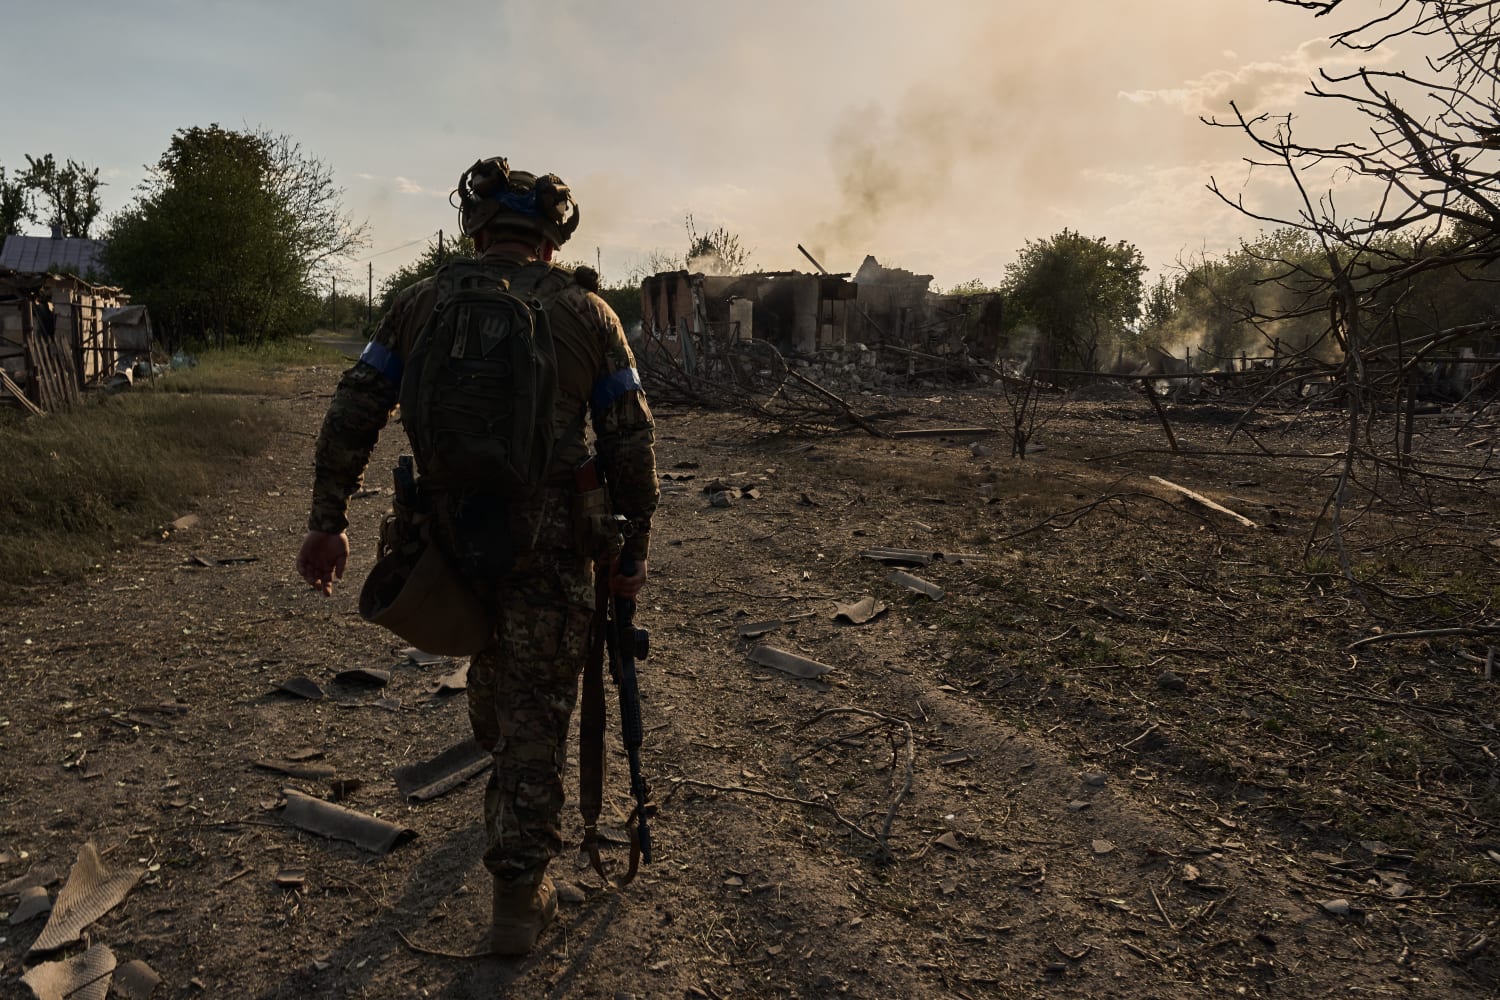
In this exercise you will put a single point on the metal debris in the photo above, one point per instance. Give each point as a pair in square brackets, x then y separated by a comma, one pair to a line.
[859, 612]
[90, 892]
[82, 977]
[339, 823]
[34, 902]
[290, 878]
[790, 663]
[754, 630]
[443, 773]
[35, 877]
[899, 557]
[295, 769]
[135, 980]
[422, 658]
[455, 682]
[301, 687]
[917, 584]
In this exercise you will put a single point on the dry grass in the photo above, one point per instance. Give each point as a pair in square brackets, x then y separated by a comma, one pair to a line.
[80, 485]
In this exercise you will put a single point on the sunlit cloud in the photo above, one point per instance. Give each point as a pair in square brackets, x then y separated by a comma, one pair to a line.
[1260, 86]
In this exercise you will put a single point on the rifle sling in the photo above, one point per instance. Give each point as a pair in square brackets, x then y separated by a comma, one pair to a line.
[591, 758]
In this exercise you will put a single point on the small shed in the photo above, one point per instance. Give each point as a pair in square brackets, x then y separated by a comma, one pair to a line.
[53, 336]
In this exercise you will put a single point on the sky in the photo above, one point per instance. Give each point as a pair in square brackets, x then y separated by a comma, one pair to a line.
[939, 136]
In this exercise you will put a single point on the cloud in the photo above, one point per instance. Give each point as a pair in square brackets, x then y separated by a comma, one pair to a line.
[1260, 86]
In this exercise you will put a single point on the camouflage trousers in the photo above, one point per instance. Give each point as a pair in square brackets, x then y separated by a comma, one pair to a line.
[522, 690]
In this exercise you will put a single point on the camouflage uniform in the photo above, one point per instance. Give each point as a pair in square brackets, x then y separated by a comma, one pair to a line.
[522, 687]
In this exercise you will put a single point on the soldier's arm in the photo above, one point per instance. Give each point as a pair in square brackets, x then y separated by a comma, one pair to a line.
[625, 432]
[361, 405]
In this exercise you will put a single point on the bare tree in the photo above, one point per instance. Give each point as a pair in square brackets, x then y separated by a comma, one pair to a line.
[1404, 217]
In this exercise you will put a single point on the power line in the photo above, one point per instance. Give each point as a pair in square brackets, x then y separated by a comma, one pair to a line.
[396, 248]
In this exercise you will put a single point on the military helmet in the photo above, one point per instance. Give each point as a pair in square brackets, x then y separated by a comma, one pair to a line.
[491, 194]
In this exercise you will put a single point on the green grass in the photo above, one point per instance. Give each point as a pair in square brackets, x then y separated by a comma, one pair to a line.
[239, 371]
[80, 485]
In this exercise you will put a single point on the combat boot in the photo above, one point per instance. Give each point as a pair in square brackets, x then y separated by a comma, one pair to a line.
[521, 910]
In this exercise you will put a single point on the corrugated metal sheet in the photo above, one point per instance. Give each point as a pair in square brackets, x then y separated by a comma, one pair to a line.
[33, 254]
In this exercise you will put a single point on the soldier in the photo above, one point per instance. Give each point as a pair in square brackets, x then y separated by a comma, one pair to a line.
[519, 554]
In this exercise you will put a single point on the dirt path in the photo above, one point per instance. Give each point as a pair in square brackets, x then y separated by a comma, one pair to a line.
[1060, 844]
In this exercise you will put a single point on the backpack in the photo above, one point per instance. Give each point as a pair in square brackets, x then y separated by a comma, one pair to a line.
[480, 386]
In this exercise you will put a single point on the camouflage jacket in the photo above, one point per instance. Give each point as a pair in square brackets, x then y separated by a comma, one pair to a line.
[596, 374]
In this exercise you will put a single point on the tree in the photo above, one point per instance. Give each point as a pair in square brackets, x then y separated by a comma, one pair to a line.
[1080, 293]
[717, 251]
[70, 193]
[1409, 211]
[15, 203]
[229, 236]
[425, 266]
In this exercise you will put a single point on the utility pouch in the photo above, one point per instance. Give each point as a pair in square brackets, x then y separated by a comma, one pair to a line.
[412, 589]
[594, 533]
[404, 529]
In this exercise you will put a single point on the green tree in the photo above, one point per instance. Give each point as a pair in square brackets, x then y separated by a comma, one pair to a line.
[425, 266]
[70, 193]
[15, 203]
[228, 237]
[1082, 294]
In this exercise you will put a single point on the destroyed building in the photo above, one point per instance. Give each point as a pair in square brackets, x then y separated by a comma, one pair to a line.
[886, 315]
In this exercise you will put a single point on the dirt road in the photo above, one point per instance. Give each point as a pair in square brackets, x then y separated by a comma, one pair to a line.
[1068, 787]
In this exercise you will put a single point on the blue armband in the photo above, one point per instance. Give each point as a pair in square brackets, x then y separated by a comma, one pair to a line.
[378, 357]
[609, 389]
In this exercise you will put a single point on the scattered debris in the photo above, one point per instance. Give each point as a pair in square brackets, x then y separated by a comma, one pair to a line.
[185, 522]
[899, 557]
[1337, 907]
[1169, 681]
[859, 612]
[454, 682]
[1205, 501]
[135, 980]
[949, 841]
[754, 630]
[90, 892]
[443, 773]
[301, 687]
[82, 977]
[290, 878]
[422, 658]
[33, 878]
[295, 769]
[917, 584]
[1102, 847]
[790, 663]
[953, 759]
[34, 902]
[339, 823]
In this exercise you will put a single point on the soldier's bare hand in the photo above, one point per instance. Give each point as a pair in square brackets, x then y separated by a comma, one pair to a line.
[627, 586]
[322, 559]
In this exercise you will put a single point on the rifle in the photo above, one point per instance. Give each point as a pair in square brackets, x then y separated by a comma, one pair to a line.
[627, 644]
[616, 637]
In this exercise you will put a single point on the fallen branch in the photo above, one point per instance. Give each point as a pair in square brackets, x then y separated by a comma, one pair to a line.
[852, 826]
[911, 759]
[1425, 633]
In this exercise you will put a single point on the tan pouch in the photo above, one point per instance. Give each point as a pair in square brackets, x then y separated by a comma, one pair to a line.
[421, 599]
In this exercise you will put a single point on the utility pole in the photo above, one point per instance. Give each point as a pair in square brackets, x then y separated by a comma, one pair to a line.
[440, 246]
[370, 294]
[334, 302]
